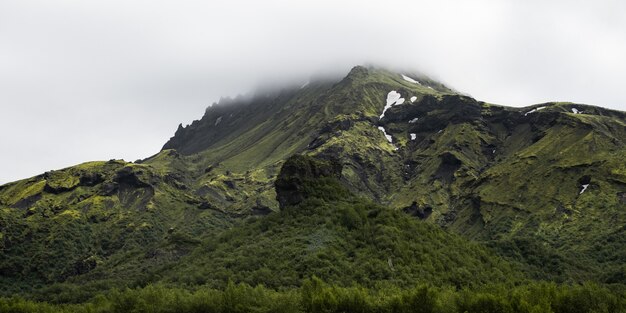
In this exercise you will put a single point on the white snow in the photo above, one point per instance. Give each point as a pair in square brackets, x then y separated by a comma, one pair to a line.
[494, 151]
[576, 111]
[392, 98]
[409, 79]
[386, 136]
[304, 85]
[430, 87]
[414, 120]
[534, 110]
[413, 98]
[440, 131]
[413, 136]
[584, 188]
[218, 120]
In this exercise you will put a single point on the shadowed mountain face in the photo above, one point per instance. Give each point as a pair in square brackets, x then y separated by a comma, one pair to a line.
[544, 186]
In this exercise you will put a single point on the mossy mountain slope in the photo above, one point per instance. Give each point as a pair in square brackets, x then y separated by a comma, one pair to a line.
[544, 185]
[245, 141]
[550, 173]
[100, 218]
[324, 230]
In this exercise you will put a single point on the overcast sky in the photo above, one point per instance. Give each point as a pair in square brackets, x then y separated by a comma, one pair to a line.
[96, 80]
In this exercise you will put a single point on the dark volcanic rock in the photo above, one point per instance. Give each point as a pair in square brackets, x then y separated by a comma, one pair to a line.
[91, 179]
[261, 210]
[132, 191]
[108, 189]
[449, 164]
[27, 202]
[415, 210]
[128, 177]
[176, 180]
[454, 109]
[224, 118]
[297, 172]
[205, 205]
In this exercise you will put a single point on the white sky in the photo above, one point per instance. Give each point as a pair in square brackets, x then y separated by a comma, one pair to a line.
[95, 80]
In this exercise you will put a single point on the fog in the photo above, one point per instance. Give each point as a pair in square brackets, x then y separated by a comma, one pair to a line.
[96, 80]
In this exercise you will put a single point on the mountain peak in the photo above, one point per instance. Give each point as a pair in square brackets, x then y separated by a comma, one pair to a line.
[362, 91]
[358, 71]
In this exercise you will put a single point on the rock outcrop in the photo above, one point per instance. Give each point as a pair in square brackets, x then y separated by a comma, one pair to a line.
[299, 171]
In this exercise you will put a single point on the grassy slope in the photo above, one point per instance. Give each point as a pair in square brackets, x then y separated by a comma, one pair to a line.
[100, 221]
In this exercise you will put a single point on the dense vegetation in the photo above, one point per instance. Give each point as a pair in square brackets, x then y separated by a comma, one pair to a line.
[341, 238]
[330, 233]
[315, 296]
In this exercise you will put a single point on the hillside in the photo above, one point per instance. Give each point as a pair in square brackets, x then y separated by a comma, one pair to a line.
[425, 174]
[512, 177]
[325, 231]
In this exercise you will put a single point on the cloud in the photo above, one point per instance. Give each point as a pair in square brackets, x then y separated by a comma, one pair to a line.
[84, 80]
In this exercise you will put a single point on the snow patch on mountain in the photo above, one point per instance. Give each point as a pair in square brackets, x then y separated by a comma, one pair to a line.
[409, 79]
[534, 110]
[388, 137]
[584, 188]
[385, 132]
[393, 98]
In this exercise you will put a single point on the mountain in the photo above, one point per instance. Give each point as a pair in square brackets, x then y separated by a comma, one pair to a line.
[541, 178]
[397, 179]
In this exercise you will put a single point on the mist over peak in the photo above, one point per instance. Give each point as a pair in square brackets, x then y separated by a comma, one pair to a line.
[68, 66]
